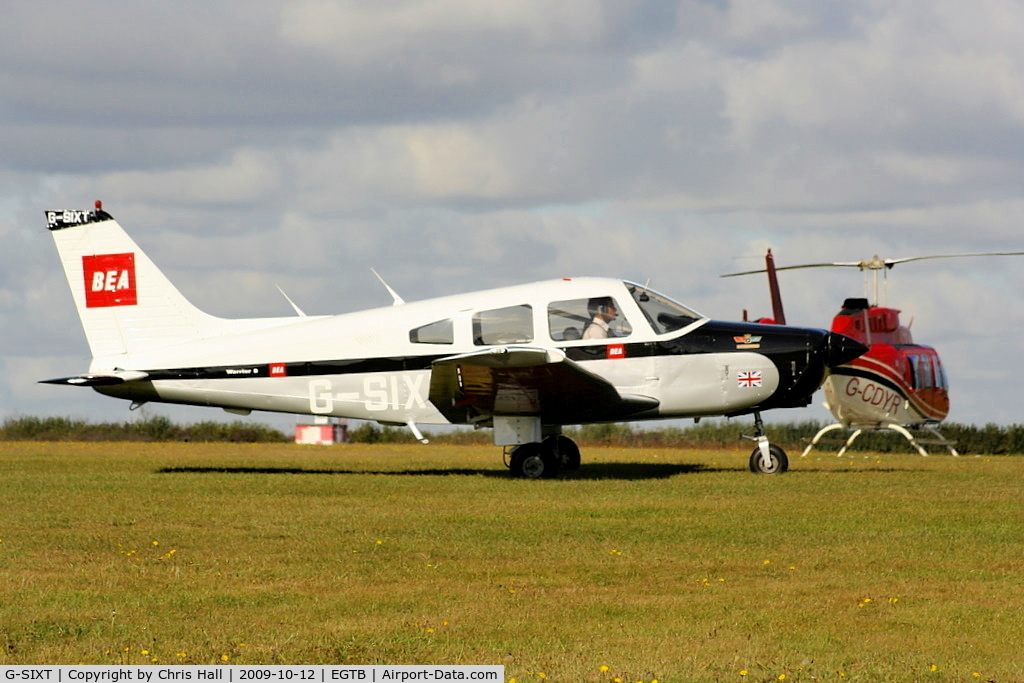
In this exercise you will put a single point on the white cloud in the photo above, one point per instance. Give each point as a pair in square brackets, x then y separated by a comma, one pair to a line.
[910, 67]
[247, 177]
[362, 33]
[756, 20]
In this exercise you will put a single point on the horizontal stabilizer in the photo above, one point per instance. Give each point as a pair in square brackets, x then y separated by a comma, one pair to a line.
[104, 379]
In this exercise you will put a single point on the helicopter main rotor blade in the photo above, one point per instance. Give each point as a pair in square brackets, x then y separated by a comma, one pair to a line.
[877, 263]
[805, 265]
[891, 262]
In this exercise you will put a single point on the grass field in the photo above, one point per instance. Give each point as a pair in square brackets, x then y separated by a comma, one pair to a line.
[646, 564]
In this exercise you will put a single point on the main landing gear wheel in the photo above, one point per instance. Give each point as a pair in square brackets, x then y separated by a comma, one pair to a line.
[533, 461]
[565, 451]
[778, 462]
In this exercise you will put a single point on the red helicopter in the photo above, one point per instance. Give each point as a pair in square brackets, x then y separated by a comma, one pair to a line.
[897, 385]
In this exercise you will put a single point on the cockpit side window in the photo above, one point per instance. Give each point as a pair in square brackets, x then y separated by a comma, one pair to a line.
[440, 332]
[593, 318]
[662, 313]
[510, 325]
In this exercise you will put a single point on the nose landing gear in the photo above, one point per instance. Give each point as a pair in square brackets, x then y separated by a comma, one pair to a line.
[767, 458]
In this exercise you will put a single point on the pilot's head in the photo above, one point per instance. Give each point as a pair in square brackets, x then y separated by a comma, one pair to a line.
[603, 306]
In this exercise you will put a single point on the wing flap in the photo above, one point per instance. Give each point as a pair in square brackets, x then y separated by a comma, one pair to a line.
[519, 380]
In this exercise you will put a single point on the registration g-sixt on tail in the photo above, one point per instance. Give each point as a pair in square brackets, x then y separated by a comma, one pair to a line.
[524, 360]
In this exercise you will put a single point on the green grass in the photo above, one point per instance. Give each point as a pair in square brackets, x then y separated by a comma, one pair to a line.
[675, 565]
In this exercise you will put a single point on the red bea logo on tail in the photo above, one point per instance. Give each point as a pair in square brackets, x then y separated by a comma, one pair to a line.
[109, 280]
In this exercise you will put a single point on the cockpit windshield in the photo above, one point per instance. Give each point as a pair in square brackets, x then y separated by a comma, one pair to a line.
[662, 313]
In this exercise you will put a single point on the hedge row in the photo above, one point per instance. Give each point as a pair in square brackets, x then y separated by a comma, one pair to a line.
[714, 434]
[148, 429]
[990, 439]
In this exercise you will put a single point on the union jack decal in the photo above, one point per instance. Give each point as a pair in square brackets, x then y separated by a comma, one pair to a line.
[748, 379]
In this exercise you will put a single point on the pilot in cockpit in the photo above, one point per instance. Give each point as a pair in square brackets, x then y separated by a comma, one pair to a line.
[602, 312]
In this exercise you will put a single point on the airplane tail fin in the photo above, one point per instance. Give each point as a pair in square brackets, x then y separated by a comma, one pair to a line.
[126, 304]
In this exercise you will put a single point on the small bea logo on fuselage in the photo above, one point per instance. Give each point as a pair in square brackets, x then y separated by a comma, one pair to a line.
[109, 280]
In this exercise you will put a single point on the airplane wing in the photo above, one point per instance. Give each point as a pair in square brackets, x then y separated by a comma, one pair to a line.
[520, 381]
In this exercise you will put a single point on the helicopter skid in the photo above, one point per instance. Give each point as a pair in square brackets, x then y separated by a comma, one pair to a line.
[899, 429]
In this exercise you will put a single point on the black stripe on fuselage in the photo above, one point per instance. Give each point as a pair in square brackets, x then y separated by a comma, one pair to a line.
[790, 349]
[853, 371]
[298, 369]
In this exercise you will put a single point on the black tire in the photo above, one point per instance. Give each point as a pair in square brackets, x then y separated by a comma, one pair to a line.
[533, 461]
[779, 461]
[565, 450]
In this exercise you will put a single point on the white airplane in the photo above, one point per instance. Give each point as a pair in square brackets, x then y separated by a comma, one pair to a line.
[523, 360]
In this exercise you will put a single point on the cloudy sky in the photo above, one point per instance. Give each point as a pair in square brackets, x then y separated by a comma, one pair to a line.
[454, 145]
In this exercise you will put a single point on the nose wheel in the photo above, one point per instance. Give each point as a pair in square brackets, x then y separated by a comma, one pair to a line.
[775, 463]
[767, 458]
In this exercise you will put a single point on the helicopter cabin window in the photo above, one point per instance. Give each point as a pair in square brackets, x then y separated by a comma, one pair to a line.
[662, 313]
[915, 379]
[925, 372]
[440, 332]
[940, 374]
[510, 325]
[921, 373]
[593, 318]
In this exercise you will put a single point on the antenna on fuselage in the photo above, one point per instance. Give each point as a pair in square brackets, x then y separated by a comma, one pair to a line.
[397, 300]
[644, 297]
[297, 310]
